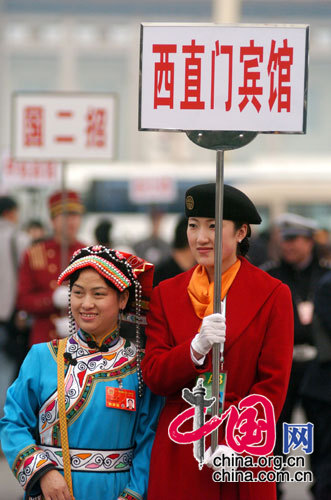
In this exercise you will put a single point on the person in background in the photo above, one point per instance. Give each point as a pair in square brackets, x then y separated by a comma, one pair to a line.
[255, 326]
[181, 258]
[38, 294]
[23, 321]
[12, 245]
[258, 248]
[36, 230]
[84, 381]
[301, 269]
[102, 232]
[323, 245]
[153, 248]
[316, 391]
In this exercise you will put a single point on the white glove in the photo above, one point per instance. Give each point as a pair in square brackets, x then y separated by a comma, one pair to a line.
[221, 451]
[212, 331]
[60, 297]
[62, 326]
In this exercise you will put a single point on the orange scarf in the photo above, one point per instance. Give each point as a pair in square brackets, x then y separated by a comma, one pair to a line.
[201, 291]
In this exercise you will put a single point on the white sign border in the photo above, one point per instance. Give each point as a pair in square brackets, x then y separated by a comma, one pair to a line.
[261, 25]
[64, 93]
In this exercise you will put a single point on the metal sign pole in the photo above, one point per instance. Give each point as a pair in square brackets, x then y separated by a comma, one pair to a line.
[219, 141]
[64, 239]
[218, 349]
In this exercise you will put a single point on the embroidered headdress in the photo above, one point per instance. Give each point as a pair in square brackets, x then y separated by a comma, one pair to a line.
[125, 272]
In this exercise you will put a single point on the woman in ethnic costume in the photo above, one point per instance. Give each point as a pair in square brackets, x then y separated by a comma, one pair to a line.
[257, 336]
[110, 440]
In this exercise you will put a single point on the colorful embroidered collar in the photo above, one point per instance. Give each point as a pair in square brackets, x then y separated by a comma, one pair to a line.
[108, 340]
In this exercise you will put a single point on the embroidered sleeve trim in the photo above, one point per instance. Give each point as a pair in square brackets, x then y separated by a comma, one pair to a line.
[33, 490]
[30, 461]
[128, 494]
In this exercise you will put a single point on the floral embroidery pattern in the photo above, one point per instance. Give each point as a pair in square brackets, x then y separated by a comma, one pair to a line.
[28, 463]
[92, 460]
[91, 367]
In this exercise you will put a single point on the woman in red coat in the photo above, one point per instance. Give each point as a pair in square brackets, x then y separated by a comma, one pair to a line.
[257, 334]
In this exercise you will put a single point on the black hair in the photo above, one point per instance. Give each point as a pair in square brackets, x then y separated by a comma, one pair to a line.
[7, 203]
[102, 232]
[34, 223]
[243, 247]
[180, 239]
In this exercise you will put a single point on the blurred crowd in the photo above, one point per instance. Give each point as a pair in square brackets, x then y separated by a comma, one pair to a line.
[293, 249]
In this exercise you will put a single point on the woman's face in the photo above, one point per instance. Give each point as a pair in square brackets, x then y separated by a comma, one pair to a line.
[95, 305]
[201, 235]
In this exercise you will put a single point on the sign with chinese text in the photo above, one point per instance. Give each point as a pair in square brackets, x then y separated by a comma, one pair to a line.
[223, 77]
[30, 173]
[63, 126]
[152, 190]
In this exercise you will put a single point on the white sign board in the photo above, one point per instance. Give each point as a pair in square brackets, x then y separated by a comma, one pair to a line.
[223, 77]
[152, 190]
[30, 173]
[63, 126]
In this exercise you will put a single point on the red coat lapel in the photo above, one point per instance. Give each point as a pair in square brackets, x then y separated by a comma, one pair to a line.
[249, 291]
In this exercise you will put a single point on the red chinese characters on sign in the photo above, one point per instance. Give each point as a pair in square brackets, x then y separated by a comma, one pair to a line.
[164, 76]
[255, 63]
[251, 57]
[228, 50]
[192, 77]
[282, 61]
[64, 138]
[29, 173]
[33, 126]
[96, 127]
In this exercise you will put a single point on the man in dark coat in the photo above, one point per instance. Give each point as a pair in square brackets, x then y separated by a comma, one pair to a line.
[301, 269]
[316, 391]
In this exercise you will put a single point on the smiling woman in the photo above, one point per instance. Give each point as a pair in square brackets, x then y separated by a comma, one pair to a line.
[95, 305]
[110, 439]
[256, 328]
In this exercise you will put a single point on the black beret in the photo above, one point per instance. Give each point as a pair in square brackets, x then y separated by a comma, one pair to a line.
[200, 202]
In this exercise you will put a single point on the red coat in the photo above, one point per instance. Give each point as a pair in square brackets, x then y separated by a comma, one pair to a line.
[40, 268]
[258, 357]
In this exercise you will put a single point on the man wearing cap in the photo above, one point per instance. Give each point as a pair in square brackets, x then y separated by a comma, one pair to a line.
[301, 269]
[43, 262]
[316, 391]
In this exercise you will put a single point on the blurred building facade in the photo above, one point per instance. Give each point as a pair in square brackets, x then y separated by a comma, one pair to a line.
[79, 45]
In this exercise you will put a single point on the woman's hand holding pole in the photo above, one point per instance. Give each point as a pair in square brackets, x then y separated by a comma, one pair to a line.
[212, 331]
